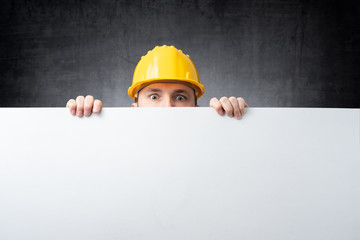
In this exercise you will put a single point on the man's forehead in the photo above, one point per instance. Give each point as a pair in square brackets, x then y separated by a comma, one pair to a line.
[159, 87]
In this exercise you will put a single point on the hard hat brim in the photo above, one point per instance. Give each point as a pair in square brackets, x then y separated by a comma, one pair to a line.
[198, 87]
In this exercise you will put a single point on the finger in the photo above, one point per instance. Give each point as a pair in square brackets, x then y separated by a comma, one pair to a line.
[80, 106]
[97, 106]
[88, 105]
[242, 105]
[225, 102]
[235, 104]
[242, 100]
[214, 103]
[71, 104]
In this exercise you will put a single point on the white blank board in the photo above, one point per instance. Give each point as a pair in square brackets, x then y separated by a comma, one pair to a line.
[180, 173]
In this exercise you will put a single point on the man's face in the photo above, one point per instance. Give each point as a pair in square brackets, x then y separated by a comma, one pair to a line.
[166, 95]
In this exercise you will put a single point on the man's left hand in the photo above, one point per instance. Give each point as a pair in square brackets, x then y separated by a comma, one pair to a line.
[232, 106]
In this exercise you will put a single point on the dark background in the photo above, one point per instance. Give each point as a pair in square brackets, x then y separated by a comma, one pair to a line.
[273, 53]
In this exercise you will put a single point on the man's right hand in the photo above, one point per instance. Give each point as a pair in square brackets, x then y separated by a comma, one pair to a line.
[84, 106]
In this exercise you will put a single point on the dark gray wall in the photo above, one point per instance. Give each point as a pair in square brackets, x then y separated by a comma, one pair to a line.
[273, 53]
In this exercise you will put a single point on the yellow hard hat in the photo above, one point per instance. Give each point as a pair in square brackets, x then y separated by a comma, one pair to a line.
[165, 64]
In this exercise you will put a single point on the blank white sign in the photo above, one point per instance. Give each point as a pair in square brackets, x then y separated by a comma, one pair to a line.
[180, 173]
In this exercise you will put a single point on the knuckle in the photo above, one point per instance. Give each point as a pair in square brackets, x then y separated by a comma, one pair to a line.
[214, 100]
[223, 99]
[97, 106]
[217, 107]
[232, 98]
[240, 99]
[79, 98]
[70, 103]
[89, 100]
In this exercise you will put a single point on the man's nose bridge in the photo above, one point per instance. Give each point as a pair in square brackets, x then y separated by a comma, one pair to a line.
[168, 102]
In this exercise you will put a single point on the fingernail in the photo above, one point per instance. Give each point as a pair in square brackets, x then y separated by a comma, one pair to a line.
[79, 113]
[221, 112]
[87, 113]
[73, 112]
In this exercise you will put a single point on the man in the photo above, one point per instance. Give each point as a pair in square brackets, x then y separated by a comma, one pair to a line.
[164, 77]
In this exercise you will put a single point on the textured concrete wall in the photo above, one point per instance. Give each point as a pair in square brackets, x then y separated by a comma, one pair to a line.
[273, 53]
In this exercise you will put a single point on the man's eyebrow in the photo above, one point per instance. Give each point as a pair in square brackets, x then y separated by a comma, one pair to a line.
[181, 91]
[153, 90]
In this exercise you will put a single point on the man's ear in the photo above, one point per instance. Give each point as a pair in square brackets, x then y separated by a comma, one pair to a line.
[134, 104]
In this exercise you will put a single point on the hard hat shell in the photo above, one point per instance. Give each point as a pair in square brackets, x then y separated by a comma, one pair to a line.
[165, 64]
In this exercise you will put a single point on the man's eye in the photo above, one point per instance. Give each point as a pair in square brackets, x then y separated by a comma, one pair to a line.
[153, 96]
[180, 98]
